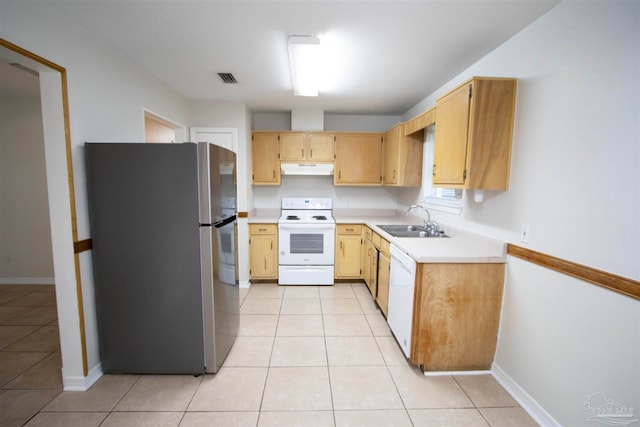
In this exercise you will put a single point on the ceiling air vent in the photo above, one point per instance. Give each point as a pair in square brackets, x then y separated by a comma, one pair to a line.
[227, 78]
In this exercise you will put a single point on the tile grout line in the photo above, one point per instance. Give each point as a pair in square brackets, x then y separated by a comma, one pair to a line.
[266, 378]
[326, 353]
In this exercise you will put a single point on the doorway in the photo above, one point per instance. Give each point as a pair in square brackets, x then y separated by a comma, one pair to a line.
[63, 241]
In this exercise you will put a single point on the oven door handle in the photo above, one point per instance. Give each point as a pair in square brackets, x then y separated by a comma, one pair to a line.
[306, 226]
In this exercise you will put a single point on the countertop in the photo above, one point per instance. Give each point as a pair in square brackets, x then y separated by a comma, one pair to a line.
[460, 247]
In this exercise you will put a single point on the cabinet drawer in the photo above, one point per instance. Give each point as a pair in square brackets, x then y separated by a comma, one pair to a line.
[349, 228]
[367, 233]
[375, 239]
[384, 247]
[263, 228]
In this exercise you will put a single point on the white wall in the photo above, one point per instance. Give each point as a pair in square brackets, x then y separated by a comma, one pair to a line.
[575, 178]
[107, 98]
[359, 123]
[25, 233]
[332, 122]
[322, 186]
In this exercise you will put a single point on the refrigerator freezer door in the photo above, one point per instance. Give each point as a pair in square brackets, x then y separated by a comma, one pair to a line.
[146, 252]
[219, 253]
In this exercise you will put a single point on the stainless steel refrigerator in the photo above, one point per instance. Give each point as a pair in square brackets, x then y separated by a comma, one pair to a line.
[163, 230]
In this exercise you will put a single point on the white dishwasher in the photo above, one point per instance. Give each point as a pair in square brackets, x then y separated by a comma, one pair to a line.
[401, 289]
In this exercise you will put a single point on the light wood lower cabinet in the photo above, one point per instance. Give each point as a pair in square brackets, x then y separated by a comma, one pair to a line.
[263, 251]
[384, 268]
[376, 262]
[456, 316]
[369, 262]
[348, 251]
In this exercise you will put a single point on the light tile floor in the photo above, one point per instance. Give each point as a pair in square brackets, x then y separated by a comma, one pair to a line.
[305, 356]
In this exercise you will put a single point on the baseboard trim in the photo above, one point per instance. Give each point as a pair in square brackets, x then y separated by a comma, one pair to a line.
[27, 281]
[528, 403]
[457, 373]
[71, 383]
[244, 284]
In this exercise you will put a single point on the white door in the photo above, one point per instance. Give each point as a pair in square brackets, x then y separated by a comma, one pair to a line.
[222, 137]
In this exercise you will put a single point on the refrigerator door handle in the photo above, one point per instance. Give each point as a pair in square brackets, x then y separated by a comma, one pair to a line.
[225, 221]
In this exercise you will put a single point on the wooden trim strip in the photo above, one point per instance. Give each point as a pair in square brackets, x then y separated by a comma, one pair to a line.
[82, 246]
[613, 282]
[243, 214]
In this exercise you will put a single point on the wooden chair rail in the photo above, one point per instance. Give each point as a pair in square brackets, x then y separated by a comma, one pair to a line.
[81, 246]
[622, 285]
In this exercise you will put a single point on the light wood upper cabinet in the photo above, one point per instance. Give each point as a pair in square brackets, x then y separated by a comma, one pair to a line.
[348, 251]
[265, 149]
[306, 147]
[321, 147]
[402, 156]
[263, 251]
[473, 135]
[358, 159]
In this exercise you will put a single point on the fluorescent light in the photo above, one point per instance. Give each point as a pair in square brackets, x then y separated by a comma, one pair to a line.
[304, 52]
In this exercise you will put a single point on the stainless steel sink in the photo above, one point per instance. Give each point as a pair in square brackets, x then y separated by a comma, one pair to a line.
[411, 231]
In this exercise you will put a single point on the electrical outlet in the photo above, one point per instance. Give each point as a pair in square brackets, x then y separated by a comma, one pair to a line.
[524, 233]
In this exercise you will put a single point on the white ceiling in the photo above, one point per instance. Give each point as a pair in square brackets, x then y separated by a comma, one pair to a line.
[392, 53]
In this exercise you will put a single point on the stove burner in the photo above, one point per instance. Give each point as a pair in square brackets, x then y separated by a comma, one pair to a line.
[320, 217]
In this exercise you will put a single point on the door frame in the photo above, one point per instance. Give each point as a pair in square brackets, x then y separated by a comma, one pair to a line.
[195, 132]
[66, 246]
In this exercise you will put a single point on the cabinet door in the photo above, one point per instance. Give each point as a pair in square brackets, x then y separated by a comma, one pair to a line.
[320, 147]
[292, 147]
[263, 261]
[266, 163]
[366, 258]
[358, 159]
[452, 130]
[373, 272]
[391, 148]
[384, 267]
[348, 249]
[456, 316]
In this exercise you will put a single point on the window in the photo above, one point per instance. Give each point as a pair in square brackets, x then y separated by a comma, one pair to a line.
[447, 199]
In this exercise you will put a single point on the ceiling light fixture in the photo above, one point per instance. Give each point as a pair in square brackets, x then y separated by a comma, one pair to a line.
[304, 59]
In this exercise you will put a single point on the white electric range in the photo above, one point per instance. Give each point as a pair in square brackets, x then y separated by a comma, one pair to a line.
[306, 240]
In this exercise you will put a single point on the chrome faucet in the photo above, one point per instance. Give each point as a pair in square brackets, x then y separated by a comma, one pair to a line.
[428, 225]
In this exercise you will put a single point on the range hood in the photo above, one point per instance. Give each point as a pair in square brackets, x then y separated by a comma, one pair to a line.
[306, 168]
